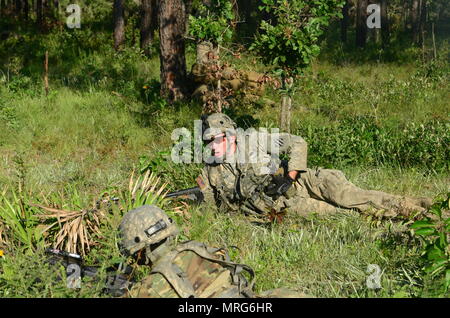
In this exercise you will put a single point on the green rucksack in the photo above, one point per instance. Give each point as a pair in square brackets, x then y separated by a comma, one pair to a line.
[194, 270]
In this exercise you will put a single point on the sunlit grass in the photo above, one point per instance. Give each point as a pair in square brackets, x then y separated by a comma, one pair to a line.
[83, 141]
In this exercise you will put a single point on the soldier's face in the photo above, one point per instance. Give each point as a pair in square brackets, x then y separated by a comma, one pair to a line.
[220, 144]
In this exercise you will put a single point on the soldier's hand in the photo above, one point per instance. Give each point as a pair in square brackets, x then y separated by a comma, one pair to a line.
[279, 185]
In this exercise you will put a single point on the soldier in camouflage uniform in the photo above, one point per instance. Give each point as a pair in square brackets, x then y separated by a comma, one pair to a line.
[186, 270]
[260, 187]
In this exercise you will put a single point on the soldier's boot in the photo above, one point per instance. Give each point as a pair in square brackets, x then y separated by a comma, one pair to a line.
[423, 202]
[426, 203]
[398, 207]
[407, 208]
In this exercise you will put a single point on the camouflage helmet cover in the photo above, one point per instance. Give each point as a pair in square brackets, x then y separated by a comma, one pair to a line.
[217, 123]
[145, 226]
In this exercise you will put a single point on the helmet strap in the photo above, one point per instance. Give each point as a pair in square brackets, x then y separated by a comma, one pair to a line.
[153, 255]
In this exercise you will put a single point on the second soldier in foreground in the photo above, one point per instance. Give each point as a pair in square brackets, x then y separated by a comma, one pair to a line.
[187, 270]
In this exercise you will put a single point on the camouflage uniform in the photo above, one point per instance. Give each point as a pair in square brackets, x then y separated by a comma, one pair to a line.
[192, 270]
[241, 186]
[189, 269]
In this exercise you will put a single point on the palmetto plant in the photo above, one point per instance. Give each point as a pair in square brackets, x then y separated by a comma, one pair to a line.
[18, 219]
[61, 220]
[74, 230]
[142, 190]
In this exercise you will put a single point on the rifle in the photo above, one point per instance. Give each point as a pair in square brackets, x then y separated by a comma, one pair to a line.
[117, 280]
[193, 194]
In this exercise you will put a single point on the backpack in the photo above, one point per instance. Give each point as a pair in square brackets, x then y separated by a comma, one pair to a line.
[218, 277]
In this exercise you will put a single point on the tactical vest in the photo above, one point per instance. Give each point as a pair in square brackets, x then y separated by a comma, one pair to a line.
[193, 270]
[241, 187]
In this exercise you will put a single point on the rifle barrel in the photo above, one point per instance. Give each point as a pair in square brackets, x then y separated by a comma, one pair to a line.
[183, 192]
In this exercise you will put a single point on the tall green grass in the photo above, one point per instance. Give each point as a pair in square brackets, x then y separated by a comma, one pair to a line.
[386, 125]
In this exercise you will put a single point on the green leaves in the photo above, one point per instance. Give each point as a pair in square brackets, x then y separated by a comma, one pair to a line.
[21, 221]
[213, 22]
[426, 232]
[435, 233]
[290, 43]
[424, 228]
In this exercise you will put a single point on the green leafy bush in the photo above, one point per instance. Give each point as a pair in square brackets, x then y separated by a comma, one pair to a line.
[21, 222]
[435, 233]
[213, 22]
[361, 141]
[290, 40]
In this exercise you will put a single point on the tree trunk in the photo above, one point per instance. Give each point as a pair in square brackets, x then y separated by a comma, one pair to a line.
[434, 41]
[149, 19]
[55, 11]
[344, 21]
[415, 21]
[406, 15]
[2, 8]
[46, 73]
[172, 16]
[45, 10]
[119, 24]
[286, 105]
[18, 8]
[423, 18]
[361, 26]
[39, 8]
[26, 10]
[384, 23]
[285, 115]
[188, 4]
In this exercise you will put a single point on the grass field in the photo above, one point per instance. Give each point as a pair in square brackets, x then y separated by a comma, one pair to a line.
[385, 125]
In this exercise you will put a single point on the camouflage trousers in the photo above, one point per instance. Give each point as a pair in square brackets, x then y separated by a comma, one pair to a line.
[324, 190]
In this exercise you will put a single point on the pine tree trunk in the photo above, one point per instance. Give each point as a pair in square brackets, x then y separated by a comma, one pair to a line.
[149, 24]
[423, 18]
[119, 24]
[172, 16]
[384, 23]
[45, 10]
[406, 14]
[361, 20]
[344, 21]
[2, 8]
[26, 10]
[415, 21]
[39, 8]
[18, 8]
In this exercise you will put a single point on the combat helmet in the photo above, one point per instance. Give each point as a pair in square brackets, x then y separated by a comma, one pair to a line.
[145, 227]
[215, 124]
